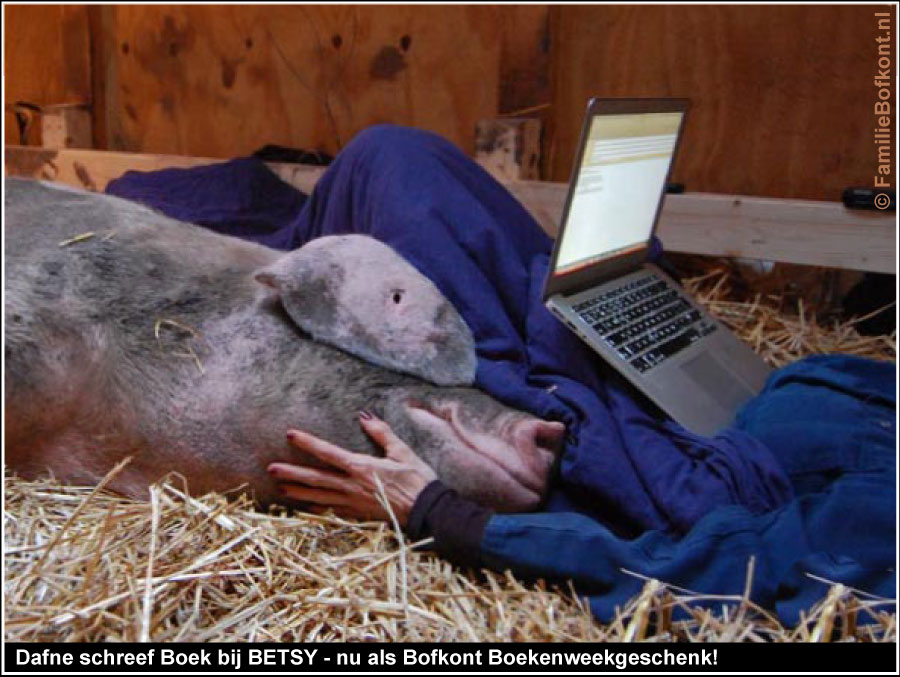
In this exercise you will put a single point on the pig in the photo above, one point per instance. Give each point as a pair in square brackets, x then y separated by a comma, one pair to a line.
[132, 334]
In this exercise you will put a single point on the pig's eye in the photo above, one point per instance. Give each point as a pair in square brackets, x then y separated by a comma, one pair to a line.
[397, 296]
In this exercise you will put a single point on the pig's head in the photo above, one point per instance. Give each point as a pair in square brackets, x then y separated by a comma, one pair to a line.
[357, 294]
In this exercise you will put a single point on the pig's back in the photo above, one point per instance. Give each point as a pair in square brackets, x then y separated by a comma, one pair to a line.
[40, 216]
[118, 260]
[105, 310]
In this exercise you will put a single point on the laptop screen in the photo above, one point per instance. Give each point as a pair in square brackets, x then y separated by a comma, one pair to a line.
[618, 187]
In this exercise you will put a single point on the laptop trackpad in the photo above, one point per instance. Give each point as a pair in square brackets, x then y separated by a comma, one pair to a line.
[721, 384]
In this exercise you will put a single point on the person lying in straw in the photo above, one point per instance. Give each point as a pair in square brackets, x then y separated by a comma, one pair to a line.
[803, 480]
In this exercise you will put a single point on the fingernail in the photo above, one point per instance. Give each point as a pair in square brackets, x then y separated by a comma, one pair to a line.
[291, 434]
[272, 471]
[365, 415]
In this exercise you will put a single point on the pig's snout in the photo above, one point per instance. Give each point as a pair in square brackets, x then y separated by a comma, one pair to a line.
[505, 463]
[539, 443]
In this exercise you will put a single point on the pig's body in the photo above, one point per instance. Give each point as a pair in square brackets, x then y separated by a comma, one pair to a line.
[152, 339]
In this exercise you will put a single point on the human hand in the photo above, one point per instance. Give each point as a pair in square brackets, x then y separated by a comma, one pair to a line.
[352, 488]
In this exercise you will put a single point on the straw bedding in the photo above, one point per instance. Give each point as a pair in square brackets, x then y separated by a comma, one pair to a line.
[82, 564]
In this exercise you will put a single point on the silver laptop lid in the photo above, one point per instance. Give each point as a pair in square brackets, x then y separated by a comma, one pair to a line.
[624, 159]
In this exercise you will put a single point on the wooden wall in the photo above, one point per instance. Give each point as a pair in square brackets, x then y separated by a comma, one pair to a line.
[782, 94]
[224, 80]
[47, 57]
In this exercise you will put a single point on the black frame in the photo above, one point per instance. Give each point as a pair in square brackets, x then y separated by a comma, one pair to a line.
[579, 280]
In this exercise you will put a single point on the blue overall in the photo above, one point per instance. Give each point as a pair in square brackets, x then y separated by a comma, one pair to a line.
[635, 491]
[831, 422]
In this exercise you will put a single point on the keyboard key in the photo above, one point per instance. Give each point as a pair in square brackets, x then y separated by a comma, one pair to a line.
[662, 332]
[673, 346]
[641, 364]
[638, 328]
[607, 324]
[616, 294]
[645, 320]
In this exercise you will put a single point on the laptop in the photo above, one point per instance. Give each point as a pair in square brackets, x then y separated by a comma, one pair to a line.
[601, 285]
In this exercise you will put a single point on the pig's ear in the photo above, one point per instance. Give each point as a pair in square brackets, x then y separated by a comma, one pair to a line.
[455, 361]
[435, 346]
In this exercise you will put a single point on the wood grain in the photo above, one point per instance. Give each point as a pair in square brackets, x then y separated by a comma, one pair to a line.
[524, 58]
[225, 80]
[47, 58]
[782, 95]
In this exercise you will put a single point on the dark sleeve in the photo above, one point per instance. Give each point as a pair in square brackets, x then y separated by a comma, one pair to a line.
[456, 524]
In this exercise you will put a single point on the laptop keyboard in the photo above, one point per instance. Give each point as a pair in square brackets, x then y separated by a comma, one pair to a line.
[645, 320]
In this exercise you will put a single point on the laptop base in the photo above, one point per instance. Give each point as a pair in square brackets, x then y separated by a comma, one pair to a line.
[699, 373]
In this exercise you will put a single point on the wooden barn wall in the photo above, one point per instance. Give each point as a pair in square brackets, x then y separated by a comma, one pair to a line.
[782, 95]
[47, 58]
[224, 80]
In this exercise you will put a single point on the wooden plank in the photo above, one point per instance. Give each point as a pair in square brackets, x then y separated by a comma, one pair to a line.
[808, 232]
[94, 169]
[792, 231]
[782, 95]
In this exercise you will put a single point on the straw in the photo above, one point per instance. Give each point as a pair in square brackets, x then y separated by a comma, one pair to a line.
[83, 564]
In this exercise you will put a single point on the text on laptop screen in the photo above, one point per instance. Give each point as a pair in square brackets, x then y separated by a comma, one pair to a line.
[625, 163]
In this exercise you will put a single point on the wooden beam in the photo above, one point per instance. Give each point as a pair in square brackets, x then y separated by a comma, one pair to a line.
[93, 169]
[807, 232]
[791, 231]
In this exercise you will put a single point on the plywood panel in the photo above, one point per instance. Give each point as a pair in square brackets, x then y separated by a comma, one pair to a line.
[47, 57]
[782, 95]
[225, 80]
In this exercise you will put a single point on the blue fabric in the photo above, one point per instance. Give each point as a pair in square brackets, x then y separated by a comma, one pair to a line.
[240, 197]
[452, 221]
[831, 420]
